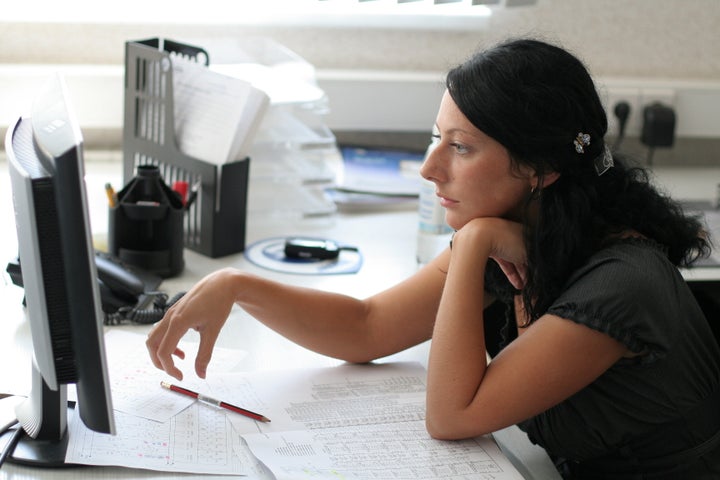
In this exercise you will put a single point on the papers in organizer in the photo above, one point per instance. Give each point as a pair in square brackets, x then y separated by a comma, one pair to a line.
[282, 84]
[216, 116]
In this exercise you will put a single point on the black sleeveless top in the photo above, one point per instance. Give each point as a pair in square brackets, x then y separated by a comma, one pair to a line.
[651, 407]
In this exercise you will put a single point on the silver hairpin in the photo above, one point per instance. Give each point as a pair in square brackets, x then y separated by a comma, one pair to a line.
[604, 161]
[581, 141]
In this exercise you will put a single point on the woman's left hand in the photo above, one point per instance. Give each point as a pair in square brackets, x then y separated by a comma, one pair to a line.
[505, 245]
[515, 273]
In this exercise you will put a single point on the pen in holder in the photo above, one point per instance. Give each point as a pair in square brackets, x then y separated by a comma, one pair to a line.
[146, 225]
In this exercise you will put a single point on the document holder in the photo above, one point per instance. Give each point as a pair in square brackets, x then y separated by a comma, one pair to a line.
[215, 222]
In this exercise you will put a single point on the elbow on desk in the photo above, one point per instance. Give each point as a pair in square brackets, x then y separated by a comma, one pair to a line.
[444, 426]
[359, 358]
[439, 431]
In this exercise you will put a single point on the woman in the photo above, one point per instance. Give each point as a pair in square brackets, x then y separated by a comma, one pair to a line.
[608, 362]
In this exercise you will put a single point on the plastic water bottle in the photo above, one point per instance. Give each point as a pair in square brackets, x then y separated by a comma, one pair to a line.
[433, 232]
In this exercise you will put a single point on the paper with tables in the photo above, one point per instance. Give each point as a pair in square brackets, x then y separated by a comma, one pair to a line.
[350, 421]
[359, 422]
[197, 440]
[135, 382]
[157, 429]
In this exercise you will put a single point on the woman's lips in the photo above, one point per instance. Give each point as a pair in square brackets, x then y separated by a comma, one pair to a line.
[446, 202]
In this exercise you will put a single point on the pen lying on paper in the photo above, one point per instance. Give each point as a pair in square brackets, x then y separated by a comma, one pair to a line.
[217, 403]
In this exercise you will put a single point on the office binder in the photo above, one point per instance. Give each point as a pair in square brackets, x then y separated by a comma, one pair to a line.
[215, 223]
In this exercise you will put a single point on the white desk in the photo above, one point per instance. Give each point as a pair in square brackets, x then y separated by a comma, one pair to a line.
[387, 241]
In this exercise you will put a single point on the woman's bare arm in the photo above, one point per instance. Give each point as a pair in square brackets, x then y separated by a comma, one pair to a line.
[551, 361]
[333, 324]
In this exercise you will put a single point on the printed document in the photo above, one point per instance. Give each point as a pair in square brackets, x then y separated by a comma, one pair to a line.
[350, 421]
[391, 450]
[355, 422]
[216, 116]
[135, 382]
[197, 440]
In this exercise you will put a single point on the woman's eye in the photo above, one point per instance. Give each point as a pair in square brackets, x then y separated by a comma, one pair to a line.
[460, 148]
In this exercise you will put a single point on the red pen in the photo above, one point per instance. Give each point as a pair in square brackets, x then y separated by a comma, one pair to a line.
[217, 403]
[181, 187]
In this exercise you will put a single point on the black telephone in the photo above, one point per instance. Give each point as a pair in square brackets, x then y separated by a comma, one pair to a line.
[127, 294]
[119, 285]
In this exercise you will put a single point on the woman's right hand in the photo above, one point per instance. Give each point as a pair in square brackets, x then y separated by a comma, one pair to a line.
[204, 308]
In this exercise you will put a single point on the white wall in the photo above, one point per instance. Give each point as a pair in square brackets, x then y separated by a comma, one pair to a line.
[630, 38]
[636, 49]
[359, 100]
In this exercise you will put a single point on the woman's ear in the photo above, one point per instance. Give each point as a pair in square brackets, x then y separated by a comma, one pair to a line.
[538, 182]
[549, 178]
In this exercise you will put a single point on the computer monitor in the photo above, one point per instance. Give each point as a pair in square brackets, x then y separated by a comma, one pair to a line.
[45, 160]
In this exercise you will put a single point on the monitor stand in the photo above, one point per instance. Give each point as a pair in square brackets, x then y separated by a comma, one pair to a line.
[36, 453]
[44, 413]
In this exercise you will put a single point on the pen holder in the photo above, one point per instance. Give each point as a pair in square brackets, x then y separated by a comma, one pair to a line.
[146, 225]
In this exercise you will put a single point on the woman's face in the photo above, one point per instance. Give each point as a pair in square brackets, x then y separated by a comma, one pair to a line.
[472, 172]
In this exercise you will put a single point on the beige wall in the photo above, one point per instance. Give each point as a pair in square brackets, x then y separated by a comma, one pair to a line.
[638, 38]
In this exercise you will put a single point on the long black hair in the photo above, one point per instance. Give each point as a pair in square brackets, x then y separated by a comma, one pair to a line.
[535, 99]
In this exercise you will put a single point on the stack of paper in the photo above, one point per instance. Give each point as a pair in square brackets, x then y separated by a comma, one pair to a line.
[351, 421]
[216, 115]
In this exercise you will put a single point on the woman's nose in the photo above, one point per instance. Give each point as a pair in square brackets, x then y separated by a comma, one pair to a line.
[430, 168]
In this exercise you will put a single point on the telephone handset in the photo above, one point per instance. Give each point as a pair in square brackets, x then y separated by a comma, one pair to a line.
[127, 294]
[119, 286]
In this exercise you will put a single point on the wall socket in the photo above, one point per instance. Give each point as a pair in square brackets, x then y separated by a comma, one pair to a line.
[611, 98]
[648, 96]
[638, 98]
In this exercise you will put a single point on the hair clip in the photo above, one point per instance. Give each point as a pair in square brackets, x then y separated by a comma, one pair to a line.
[581, 141]
[604, 162]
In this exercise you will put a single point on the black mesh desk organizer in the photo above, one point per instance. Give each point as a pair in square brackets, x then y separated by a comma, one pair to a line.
[214, 224]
